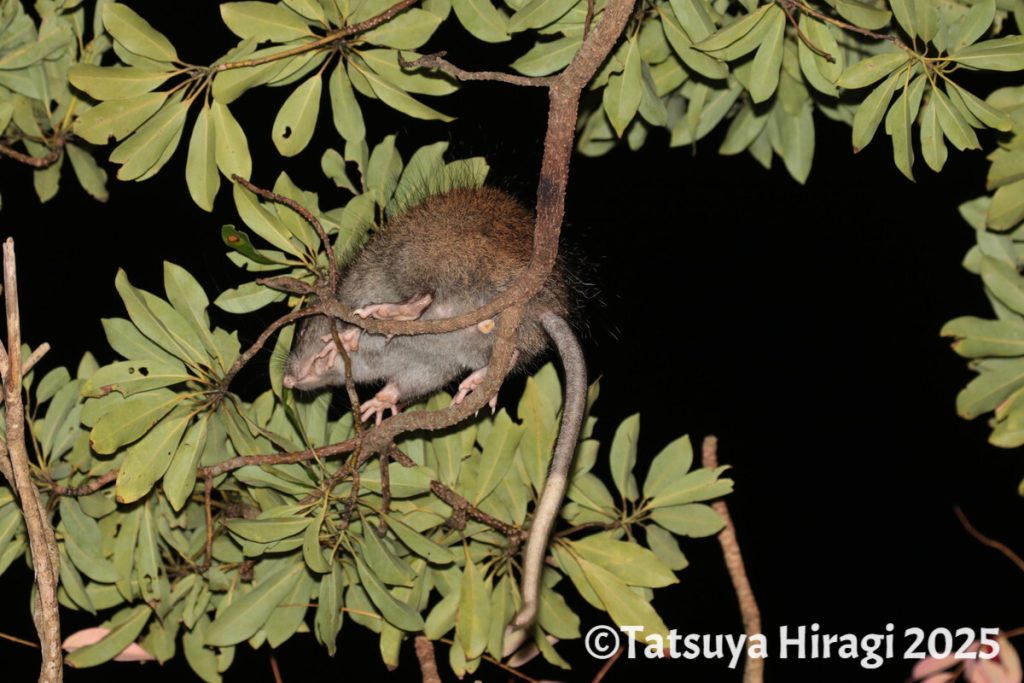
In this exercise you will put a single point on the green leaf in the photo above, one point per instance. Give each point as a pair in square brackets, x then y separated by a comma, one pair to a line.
[1007, 207]
[898, 123]
[296, 120]
[694, 18]
[229, 85]
[384, 169]
[933, 148]
[819, 72]
[420, 545]
[136, 34]
[144, 151]
[625, 607]
[232, 148]
[407, 31]
[986, 114]
[201, 165]
[702, 484]
[871, 69]
[441, 619]
[863, 14]
[906, 14]
[623, 457]
[482, 19]
[764, 78]
[240, 242]
[393, 610]
[745, 127]
[681, 44]
[997, 378]
[91, 177]
[247, 298]
[130, 419]
[796, 137]
[160, 322]
[473, 618]
[312, 553]
[547, 57]
[538, 13]
[739, 37]
[398, 99]
[147, 460]
[249, 612]
[263, 222]
[268, 529]
[33, 51]
[999, 54]
[953, 125]
[263, 21]
[499, 449]
[973, 26]
[115, 82]
[666, 547]
[695, 520]
[631, 563]
[180, 478]
[126, 627]
[622, 95]
[117, 118]
[978, 338]
[348, 118]
[668, 467]
[133, 376]
[1004, 282]
[871, 110]
[405, 481]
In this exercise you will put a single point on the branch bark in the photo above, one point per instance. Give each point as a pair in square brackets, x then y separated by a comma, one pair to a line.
[42, 543]
[753, 670]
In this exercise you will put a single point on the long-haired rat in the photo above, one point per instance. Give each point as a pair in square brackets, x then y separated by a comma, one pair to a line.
[448, 255]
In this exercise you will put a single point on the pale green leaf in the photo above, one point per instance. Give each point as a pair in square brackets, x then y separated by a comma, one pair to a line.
[201, 174]
[136, 34]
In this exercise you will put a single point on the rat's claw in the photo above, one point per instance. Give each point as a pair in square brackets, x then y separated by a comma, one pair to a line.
[385, 399]
[408, 310]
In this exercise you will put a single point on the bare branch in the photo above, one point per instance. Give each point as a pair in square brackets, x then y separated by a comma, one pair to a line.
[56, 149]
[42, 544]
[753, 671]
[425, 655]
[437, 61]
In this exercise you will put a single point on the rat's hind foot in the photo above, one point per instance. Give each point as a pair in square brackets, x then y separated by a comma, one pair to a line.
[385, 399]
[409, 310]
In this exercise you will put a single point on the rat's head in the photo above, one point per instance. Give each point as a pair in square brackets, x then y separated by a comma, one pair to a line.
[313, 362]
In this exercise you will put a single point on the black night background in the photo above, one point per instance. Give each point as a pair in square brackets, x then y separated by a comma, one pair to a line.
[798, 324]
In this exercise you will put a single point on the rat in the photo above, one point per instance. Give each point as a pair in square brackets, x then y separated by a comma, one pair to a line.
[448, 255]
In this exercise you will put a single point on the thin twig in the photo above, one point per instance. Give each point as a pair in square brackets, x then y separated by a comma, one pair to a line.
[55, 152]
[437, 61]
[589, 19]
[208, 513]
[788, 9]
[42, 544]
[275, 670]
[326, 40]
[463, 508]
[608, 665]
[985, 540]
[425, 656]
[34, 358]
[753, 670]
[307, 215]
[821, 16]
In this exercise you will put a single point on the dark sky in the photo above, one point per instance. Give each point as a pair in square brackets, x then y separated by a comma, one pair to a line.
[798, 324]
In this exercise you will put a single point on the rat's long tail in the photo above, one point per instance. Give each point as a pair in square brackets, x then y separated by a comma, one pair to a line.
[544, 516]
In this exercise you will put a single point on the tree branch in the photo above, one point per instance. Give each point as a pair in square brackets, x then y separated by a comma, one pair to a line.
[56, 149]
[753, 671]
[42, 544]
